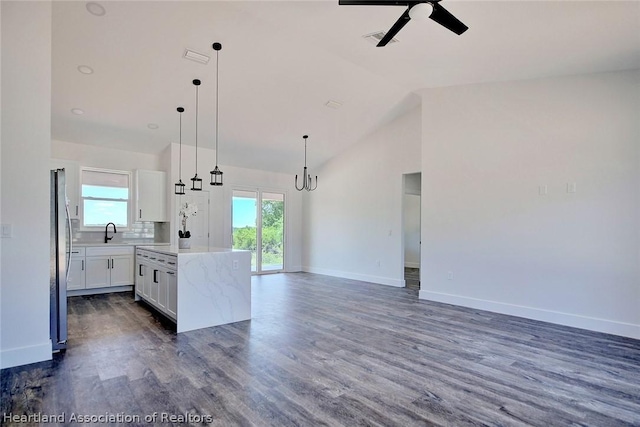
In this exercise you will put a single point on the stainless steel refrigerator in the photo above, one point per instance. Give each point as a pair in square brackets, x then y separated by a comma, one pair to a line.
[60, 258]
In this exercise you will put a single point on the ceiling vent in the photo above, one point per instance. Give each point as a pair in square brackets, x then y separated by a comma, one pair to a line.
[195, 56]
[377, 36]
[333, 104]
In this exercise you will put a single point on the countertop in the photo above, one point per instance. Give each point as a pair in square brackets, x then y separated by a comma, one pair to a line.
[174, 250]
[98, 244]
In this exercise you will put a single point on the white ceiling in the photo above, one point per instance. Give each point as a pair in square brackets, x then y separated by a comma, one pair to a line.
[281, 61]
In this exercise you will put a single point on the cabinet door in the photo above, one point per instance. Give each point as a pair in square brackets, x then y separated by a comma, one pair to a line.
[153, 289]
[151, 195]
[140, 273]
[72, 177]
[121, 270]
[98, 271]
[172, 294]
[147, 279]
[162, 289]
[76, 274]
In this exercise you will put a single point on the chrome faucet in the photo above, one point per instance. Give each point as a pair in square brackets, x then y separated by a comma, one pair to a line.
[106, 228]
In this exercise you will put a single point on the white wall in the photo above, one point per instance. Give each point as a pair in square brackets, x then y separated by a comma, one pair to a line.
[569, 258]
[354, 218]
[236, 178]
[26, 138]
[102, 157]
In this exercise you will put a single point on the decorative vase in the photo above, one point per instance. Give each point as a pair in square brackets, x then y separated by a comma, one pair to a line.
[184, 243]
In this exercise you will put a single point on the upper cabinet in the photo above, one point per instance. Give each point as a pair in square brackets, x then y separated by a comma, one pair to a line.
[151, 190]
[71, 175]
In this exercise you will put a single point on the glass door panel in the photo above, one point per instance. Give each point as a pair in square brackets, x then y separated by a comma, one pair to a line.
[245, 223]
[260, 231]
[272, 232]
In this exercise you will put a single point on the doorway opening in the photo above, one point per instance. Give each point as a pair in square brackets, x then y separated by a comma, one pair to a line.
[411, 199]
[258, 226]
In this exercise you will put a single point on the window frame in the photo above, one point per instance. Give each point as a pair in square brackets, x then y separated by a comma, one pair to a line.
[130, 200]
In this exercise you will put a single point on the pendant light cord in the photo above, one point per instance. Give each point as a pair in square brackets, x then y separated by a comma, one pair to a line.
[180, 164]
[196, 130]
[217, 98]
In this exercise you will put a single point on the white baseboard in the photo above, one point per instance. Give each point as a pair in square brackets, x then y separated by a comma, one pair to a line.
[25, 355]
[412, 264]
[355, 276]
[95, 291]
[583, 322]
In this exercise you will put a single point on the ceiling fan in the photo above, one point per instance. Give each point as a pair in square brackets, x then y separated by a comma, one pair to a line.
[415, 9]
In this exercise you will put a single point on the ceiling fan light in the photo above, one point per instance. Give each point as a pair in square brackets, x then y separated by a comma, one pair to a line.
[421, 11]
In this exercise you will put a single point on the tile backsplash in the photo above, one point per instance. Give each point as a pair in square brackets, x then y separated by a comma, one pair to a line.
[139, 232]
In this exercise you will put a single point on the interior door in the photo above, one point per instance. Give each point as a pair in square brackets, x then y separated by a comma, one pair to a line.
[198, 225]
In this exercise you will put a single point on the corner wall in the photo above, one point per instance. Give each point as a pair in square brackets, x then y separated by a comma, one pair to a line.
[26, 147]
[353, 220]
[503, 229]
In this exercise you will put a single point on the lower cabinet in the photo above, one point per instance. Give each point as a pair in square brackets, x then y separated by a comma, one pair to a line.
[156, 281]
[77, 271]
[103, 267]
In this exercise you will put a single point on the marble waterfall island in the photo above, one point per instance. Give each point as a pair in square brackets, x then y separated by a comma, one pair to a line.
[197, 287]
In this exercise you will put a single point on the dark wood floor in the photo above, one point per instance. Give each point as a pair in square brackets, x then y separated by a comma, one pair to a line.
[327, 351]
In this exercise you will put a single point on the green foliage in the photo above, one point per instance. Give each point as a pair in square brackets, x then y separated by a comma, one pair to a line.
[272, 233]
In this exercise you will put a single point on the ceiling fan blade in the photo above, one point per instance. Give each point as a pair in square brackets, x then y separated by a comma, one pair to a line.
[447, 20]
[371, 3]
[401, 22]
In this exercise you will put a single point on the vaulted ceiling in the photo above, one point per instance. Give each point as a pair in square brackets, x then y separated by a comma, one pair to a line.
[282, 61]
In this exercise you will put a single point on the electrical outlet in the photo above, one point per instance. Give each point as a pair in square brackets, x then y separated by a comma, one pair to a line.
[571, 187]
[450, 275]
[378, 263]
[542, 190]
[235, 264]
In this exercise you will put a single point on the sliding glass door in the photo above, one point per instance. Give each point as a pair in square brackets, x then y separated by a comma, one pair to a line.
[258, 226]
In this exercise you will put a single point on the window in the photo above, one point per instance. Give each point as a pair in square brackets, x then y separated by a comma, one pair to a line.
[105, 197]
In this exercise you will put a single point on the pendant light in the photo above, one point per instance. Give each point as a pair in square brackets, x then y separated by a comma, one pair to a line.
[196, 183]
[216, 173]
[179, 185]
[306, 177]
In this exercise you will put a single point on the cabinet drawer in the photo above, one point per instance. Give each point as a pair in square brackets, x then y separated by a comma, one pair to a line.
[110, 250]
[172, 262]
[77, 252]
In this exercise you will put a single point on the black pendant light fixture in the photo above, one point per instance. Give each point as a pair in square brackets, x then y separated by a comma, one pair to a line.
[216, 173]
[307, 183]
[179, 185]
[196, 183]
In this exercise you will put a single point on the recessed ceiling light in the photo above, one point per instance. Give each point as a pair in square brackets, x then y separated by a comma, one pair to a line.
[85, 69]
[333, 104]
[153, 126]
[96, 9]
[195, 56]
[77, 111]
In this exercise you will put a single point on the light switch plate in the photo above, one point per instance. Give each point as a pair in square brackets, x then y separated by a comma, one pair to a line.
[6, 230]
[571, 187]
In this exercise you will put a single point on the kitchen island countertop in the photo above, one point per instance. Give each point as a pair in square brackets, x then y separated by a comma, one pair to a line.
[174, 250]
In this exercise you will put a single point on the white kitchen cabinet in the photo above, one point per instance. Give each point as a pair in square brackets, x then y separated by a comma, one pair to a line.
[151, 190]
[158, 282]
[109, 266]
[172, 294]
[77, 272]
[72, 179]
